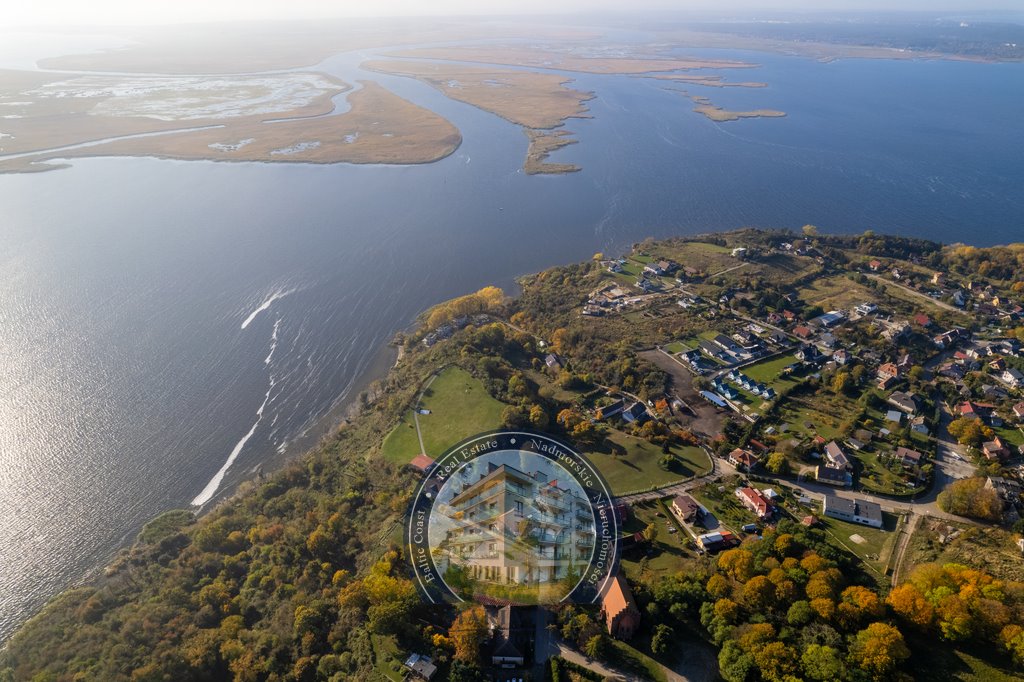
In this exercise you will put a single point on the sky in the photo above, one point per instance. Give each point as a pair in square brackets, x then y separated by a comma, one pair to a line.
[128, 12]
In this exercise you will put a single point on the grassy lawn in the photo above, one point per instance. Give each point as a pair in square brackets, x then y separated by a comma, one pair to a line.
[878, 542]
[1010, 435]
[946, 664]
[634, 464]
[676, 347]
[627, 657]
[385, 656]
[991, 549]
[875, 476]
[724, 505]
[798, 413]
[837, 293]
[770, 372]
[459, 407]
[667, 553]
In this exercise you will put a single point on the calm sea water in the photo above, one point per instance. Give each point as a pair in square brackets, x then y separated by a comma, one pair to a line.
[158, 317]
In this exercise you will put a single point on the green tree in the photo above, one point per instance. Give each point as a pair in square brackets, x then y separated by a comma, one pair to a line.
[821, 662]
[734, 664]
[662, 639]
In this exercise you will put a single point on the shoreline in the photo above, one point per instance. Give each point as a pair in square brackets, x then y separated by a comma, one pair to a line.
[343, 411]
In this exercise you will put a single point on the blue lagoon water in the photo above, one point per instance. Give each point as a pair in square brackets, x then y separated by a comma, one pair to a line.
[158, 318]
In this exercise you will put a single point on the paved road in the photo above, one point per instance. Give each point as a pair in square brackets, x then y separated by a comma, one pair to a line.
[915, 292]
[700, 665]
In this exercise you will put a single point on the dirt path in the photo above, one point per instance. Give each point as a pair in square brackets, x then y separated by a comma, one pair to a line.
[416, 413]
[902, 543]
[914, 292]
[706, 419]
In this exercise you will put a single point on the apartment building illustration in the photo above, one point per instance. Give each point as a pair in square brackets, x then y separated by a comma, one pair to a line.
[518, 528]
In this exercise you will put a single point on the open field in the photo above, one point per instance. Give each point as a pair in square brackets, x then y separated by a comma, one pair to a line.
[941, 541]
[668, 554]
[635, 465]
[877, 545]
[459, 407]
[770, 371]
[837, 292]
[380, 127]
[625, 62]
[808, 419]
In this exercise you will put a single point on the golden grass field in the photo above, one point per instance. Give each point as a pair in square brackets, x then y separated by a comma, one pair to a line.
[532, 100]
[380, 127]
[542, 143]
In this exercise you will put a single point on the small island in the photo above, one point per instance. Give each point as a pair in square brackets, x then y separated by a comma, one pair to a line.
[539, 102]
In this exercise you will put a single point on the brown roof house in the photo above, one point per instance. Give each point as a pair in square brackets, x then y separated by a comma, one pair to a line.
[743, 458]
[619, 609]
[686, 508]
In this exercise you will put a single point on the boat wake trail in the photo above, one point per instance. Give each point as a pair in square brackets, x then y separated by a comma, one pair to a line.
[266, 304]
[211, 488]
[273, 342]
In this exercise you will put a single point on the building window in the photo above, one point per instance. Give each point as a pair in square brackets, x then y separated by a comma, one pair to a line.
[519, 507]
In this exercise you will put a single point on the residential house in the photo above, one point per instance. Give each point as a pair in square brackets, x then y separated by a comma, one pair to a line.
[743, 458]
[619, 610]
[835, 456]
[828, 319]
[866, 309]
[894, 416]
[637, 412]
[661, 267]
[756, 502]
[512, 628]
[840, 478]
[1018, 410]
[875, 265]
[939, 278]
[1008, 489]
[553, 362]
[995, 449]
[841, 357]
[802, 332]
[714, 542]
[610, 410]
[904, 401]
[1013, 377]
[422, 463]
[907, 457]
[919, 425]
[922, 320]
[420, 667]
[888, 370]
[854, 511]
[686, 508]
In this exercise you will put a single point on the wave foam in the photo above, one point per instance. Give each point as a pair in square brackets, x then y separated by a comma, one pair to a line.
[266, 304]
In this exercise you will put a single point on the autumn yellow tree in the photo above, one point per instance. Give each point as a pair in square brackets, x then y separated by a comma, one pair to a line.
[909, 604]
[878, 649]
[467, 634]
[737, 563]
